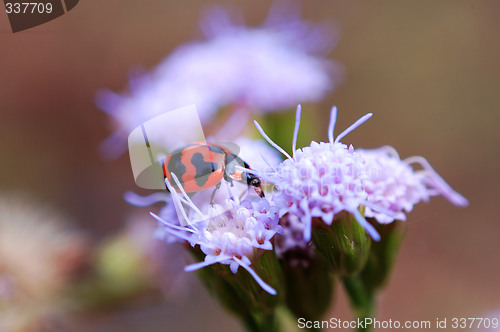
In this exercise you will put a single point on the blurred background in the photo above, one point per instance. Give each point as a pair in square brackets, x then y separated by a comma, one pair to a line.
[429, 71]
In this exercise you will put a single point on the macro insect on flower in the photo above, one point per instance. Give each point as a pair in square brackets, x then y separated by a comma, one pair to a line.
[326, 213]
[330, 214]
[237, 236]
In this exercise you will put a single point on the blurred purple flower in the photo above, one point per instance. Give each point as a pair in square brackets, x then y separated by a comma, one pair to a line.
[258, 154]
[158, 262]
[41, 254]
[250, 69]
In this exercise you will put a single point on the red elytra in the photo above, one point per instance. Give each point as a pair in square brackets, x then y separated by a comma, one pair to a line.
[200, 166]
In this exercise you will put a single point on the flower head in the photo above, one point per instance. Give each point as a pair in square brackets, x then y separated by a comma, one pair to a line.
[321, 180]
[393, 184]
[234, 236]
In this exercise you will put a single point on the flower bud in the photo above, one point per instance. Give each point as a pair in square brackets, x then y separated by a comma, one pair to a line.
[309, 287]
[382, 254]
[362, 288]
[345, 244]
[239, 292]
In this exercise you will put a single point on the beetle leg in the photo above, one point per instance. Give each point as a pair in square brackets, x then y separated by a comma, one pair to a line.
[228, 179]
[213, 194]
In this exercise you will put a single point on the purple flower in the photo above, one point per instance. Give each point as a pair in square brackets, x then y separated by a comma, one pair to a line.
[324, 179]
[234, 233]
[393, 184]
[321, 180]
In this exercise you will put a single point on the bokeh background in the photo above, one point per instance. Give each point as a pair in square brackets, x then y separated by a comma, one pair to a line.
[429, 71]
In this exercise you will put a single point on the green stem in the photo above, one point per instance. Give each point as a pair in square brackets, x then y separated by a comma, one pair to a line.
[362, 300]
[251, 324]
[288, 321]
[262, 323]
[281, 320]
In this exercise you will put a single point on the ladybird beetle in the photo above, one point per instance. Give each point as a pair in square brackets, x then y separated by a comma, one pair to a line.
[200, 166]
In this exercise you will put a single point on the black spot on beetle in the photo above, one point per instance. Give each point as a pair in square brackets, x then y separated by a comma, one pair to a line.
[203, 168]
[176, 166]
